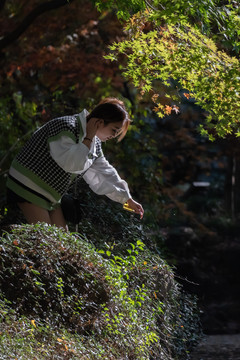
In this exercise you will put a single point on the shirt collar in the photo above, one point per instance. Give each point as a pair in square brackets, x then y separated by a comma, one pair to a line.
[83, 118]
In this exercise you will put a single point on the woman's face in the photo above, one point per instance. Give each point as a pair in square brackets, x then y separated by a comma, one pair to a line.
[109, 131]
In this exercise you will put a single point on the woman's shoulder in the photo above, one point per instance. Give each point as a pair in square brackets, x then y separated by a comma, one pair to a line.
[74, 125]
[75, 120]
[67, 120]
[68, 123]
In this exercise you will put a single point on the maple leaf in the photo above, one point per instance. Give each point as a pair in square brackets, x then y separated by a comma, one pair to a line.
[176, 109]
[186, 95]
[154, 97]
[168, 109]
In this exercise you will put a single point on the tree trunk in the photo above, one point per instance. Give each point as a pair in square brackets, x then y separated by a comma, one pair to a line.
[232, 182]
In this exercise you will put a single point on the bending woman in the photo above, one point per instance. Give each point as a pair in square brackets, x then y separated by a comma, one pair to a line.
[61, 149]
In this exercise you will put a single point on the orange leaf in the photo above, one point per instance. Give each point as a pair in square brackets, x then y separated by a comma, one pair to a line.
[186, 95]
[16, 242]
[168, 109]
[154, 97]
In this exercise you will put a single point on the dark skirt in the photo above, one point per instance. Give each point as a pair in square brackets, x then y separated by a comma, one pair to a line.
[13, 198]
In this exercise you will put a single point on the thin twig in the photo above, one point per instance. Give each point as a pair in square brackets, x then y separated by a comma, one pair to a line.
[185, 279]
[152, 7]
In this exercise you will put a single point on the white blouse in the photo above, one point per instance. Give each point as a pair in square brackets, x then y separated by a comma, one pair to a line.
[76, 158]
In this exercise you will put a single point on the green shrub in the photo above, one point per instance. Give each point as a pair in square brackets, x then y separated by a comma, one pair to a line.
[45, 277]
[61, 298]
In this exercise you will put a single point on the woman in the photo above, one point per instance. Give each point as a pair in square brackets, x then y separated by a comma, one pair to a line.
[61, 149]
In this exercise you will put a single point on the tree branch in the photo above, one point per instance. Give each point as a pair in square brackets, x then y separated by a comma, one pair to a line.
[29, 19]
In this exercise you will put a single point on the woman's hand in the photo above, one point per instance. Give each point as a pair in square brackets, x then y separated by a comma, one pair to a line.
[91, 130]
[136, 207]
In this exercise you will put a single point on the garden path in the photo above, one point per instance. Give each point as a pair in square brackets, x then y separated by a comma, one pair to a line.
[218, 347]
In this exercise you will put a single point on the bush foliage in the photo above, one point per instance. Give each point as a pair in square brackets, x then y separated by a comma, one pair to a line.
[63, 298]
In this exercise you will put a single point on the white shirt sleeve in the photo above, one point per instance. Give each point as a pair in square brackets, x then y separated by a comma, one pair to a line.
[103, 179]
[69, 155]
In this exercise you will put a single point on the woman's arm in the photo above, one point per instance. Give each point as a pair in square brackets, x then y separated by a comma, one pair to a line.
[68, 154]
[104, 179]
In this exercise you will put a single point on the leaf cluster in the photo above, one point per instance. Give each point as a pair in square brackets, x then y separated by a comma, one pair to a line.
[123, 8]
[215, 18]
[192, 60]
[15, 123]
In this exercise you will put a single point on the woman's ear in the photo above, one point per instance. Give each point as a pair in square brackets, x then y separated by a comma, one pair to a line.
[101, 122]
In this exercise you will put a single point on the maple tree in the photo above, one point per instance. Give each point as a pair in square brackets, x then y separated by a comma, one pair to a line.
[178, 49]
[65, 32]
[176, 40]
[56, 65]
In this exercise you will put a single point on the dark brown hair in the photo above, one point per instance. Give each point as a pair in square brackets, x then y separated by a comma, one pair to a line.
[112, 110]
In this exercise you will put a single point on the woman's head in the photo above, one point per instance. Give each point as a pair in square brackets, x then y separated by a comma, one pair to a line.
[114, 114]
